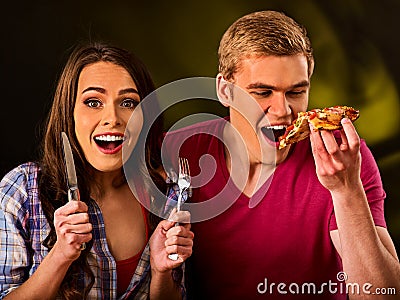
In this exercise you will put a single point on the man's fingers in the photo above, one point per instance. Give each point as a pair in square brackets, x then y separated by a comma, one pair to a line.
[352, 137]
[330, 143]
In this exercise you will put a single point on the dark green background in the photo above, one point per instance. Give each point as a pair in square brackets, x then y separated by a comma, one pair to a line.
[356, 48]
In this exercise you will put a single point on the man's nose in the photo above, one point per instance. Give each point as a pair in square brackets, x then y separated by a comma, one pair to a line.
[279, 106]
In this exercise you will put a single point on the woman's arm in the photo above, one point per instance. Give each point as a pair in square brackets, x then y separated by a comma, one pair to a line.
[73, 228]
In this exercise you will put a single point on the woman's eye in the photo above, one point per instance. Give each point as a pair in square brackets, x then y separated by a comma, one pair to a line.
[94, 103]
[129, 103]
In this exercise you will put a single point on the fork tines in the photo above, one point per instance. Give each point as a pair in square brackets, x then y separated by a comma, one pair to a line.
[184, 166]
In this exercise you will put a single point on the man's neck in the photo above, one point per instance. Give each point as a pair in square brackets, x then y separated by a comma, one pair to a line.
[248, 173]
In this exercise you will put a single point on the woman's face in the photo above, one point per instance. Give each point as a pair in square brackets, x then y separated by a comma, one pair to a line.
[105, 100]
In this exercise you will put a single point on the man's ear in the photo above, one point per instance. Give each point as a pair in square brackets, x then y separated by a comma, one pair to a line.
[224, 90]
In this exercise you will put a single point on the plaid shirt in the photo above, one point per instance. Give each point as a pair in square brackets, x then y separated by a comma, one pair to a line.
[23, 228]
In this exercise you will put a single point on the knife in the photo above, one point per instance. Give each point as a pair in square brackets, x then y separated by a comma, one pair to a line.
[72, 181]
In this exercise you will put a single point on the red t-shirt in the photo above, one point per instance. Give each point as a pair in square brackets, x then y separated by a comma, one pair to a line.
[126, 268]
[277, 248]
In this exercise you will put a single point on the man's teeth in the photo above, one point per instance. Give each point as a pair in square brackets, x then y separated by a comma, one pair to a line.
[109, 138]
[276, 127]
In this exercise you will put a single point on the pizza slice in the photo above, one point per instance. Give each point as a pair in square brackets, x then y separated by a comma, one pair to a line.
[322, 119]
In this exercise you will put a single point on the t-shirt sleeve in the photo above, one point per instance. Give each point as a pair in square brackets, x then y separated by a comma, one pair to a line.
[373, 187]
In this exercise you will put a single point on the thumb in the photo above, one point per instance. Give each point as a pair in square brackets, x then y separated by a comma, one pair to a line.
[165, 225]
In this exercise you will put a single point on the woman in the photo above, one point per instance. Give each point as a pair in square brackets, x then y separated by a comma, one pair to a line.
[43, 236]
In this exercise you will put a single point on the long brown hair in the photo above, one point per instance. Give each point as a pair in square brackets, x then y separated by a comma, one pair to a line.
[52, 183]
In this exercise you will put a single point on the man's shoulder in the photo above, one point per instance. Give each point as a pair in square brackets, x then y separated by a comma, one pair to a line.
[195, 140]
[208, 126]
[204, 130]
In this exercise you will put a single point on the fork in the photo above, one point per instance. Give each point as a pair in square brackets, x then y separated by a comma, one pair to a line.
[184, 180]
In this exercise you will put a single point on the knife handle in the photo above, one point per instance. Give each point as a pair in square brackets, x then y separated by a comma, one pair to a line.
[73, 194]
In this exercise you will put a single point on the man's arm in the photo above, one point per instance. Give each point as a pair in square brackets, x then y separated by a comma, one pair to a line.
[367, 251]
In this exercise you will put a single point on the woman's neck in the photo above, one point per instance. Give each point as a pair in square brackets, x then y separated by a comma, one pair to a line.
[107, 182]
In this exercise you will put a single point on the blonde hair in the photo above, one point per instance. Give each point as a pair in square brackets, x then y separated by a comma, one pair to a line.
[262, 33]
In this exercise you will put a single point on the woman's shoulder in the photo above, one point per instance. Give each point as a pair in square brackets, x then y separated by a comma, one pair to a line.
[17, 184]
[22, 171]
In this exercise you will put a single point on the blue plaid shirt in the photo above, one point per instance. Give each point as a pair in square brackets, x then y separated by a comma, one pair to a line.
[23, 228]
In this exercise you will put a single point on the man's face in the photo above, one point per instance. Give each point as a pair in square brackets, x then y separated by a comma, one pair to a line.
[280, 87]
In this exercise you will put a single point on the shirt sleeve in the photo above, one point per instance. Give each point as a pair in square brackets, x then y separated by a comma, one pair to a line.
[14, 258]
[373, 187]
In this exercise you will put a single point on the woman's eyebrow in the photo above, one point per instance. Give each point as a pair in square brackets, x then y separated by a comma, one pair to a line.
[127, 91]
[94, 88]
[103, 91]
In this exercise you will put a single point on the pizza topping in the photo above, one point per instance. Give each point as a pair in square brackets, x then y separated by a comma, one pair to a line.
[325, 119]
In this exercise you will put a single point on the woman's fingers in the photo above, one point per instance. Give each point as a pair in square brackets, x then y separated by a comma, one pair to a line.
[72, 207]
[73, 228]
[179, 216]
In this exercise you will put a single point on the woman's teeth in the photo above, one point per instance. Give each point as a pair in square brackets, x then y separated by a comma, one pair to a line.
[109, 138]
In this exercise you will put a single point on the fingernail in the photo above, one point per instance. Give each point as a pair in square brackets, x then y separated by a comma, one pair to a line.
[345, 120]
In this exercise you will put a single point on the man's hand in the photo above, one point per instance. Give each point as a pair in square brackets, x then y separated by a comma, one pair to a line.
[337, 165]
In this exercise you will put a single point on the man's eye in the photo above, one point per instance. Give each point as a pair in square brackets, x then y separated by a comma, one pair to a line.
[296, 93]
[262, 93]
[94, 103]
[129, 103]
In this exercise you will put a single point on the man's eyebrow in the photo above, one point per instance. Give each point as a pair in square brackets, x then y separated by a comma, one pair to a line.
[260, 85]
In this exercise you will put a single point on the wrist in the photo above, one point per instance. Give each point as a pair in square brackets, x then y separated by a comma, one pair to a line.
[353, 198]
[348, 192]
[161, 273]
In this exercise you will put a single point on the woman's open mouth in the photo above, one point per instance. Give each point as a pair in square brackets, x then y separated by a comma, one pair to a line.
[109, 143]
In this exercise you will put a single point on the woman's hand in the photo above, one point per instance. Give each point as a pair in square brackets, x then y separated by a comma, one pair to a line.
[168, 239]
[73, 228]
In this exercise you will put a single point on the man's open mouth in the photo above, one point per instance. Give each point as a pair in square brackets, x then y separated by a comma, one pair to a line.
[273, 132]
[109, 143]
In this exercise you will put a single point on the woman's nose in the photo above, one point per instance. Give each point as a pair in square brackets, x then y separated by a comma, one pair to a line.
[110, 117]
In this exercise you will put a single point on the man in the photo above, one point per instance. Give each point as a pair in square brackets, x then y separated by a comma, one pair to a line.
[301, 222]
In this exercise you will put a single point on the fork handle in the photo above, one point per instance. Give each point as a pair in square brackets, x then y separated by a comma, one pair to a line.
[179, 204]
[174, 256]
